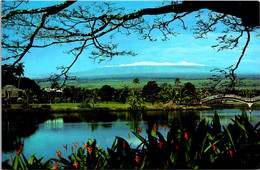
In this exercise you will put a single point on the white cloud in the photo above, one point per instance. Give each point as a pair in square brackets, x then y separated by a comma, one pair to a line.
[150, 63]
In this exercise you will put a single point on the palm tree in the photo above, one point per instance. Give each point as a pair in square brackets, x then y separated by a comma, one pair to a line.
[177, 82]
[136, 80]
[19, 72]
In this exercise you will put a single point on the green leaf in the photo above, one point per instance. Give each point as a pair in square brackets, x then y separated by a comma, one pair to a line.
[143, 164]
[172, 157]
[113, 147]
[230, 138]
[153, 133]
[203, 143]
[80, 152]
[48, 164]
[25, 160]
[140, 138]
[21, 163]
[16, 161]
[31, 159]
[244, 115]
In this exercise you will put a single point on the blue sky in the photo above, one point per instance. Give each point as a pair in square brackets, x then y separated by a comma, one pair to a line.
[181, 50]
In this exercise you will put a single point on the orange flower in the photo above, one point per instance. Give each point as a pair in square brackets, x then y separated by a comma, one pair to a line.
[66, 147]
[164, 127]
[54, 167]
[76, 144]
[85, 145]
[155, 127]
[98, 147]
[76, 164]
[11, 159]
[72, 149]
[89, 150]
[186, 135]
[128, 136]
[58, 163]
[214, 147]
[140, 130]
[231, 153]
[176, 147]
[160, 145]
[137, 159]
[58, 153]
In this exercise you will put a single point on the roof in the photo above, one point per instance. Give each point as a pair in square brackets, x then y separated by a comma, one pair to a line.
[11, 88]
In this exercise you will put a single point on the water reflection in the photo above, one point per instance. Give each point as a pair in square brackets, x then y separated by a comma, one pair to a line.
[45, 134]
[17, 126]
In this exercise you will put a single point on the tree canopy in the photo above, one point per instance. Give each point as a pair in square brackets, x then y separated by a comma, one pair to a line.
[84, 26]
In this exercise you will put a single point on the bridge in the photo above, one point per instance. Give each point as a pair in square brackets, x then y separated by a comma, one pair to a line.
[231, 97]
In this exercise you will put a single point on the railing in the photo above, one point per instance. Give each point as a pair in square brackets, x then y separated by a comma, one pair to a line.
[231, 97]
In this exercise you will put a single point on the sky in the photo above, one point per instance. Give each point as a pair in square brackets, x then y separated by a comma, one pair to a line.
[182, 50]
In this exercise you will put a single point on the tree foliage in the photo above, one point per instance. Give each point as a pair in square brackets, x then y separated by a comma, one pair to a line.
[63, 23]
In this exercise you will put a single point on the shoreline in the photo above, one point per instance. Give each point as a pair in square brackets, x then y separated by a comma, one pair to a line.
[165, 107]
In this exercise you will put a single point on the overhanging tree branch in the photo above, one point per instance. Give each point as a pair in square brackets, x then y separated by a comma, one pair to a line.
[59, 26]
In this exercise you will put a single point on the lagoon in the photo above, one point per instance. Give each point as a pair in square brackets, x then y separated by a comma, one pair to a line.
[45, 135]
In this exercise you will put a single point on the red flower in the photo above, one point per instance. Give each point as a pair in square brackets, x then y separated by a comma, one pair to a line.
[186, 135]
[99, 163]
[89, 150]
[140, 130]
[214, 147]
[58, 153]
[231, 153]
[128, 136]
[66, 147]
[72, 149]
[164, 127]
[137, 159]
[176, 147]
[160, 145]
[11, 159]
[124, 144]
[76, 164]
[20, 150]
[155, 127]
[76, 144]
[250, 110]
[199, 155]
[58, 163]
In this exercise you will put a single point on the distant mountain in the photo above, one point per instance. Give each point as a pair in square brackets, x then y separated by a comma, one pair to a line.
[146, 71]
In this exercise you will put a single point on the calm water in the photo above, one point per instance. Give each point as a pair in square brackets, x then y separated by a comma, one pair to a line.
[46, 135]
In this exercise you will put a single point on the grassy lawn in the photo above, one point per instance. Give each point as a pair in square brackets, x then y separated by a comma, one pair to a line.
[76, 105]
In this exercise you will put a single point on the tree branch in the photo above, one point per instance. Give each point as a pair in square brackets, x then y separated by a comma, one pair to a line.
[50, 10]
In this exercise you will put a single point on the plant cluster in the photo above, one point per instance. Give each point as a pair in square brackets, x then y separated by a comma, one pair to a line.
[203, 145]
